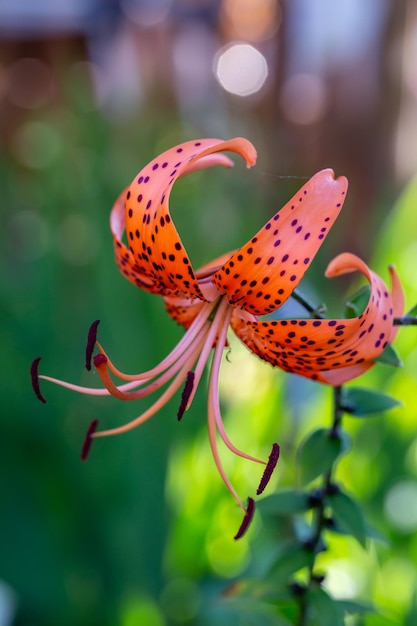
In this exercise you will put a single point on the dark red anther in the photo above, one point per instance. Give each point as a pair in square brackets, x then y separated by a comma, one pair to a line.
[270, 466]
[186, 393]
[35, 379]
[88, 440]
[91, 342]
[250, 510]
[99, 359]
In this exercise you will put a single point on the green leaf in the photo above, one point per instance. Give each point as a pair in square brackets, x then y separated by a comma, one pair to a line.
[411, 617]
[284, 503]
[375, 534]
[361, 402]
[323, 608]
[353, 607]
[291, 559]
[247, 611]
[412, 312]
[357, 303]
[389, 357]
[318, 452]
[370, 531]
[348, 515]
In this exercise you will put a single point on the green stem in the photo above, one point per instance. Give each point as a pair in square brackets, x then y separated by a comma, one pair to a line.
[315, 311]
[320, 516]
[405, 321]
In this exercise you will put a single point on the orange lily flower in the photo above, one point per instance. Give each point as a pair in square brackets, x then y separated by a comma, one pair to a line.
[234, 291]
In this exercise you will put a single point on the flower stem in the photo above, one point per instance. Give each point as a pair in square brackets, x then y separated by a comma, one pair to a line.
[319, 523]
[315, 311]
[405, 320]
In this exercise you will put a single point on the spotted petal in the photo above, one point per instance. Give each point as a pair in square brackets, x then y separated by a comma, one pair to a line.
[156, 258]
[263, 274]
[124, 256]
[185, 310]
[331, 351]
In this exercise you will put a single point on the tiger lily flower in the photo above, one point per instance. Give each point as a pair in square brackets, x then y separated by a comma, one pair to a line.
[235, 291]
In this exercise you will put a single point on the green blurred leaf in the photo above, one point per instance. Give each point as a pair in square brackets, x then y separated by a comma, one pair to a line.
[348, 514]
[323, 608]
[375, 534]
[412, 312]
[389, 357]
[283, 503]
[370, 531]
[362, 402]
[318, 452]
[290, 560]
[353, 607]
[411, 616]
[250, 613]
[357, 303]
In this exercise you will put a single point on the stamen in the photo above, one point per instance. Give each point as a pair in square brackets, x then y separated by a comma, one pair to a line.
[101, 363]
[86, 447]
[91, 342]
[99, 360]
[35, 379]
[250, 510]
[270, 466]
[188, 387]
[197, 329]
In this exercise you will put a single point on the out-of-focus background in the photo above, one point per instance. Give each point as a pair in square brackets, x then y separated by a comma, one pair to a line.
[90, 90]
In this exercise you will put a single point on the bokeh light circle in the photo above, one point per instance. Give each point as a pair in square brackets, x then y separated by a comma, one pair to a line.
[240, 69]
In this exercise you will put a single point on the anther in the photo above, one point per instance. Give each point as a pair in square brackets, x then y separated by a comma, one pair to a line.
[91, 342]
[86, 447]
[99, 359]
[250, 510]
[186, 393]
[270, 466]
[35, 379]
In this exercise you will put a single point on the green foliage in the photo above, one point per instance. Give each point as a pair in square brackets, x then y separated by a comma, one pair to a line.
[291, 559]
[412, 312]
[324, 610]
[318, 452]
[361, 402]
[389, 357]
[357, 302]
[348, 515]
[284, 503]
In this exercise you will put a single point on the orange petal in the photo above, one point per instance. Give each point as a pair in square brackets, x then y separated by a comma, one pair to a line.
[318, 349]
[183, 310]
[157, 255]
[124, 256]
[262, 274]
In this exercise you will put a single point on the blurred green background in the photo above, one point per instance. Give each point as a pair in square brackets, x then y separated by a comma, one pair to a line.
[89, 92]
